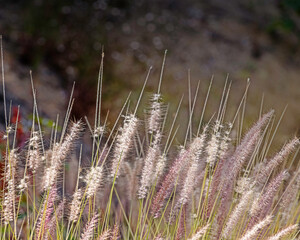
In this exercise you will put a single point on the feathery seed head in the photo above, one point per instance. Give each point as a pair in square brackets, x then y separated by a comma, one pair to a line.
[23, 184]
[155, 114]
[148, 172]
[123, 144]
[214, 144]
[168, 183]
[8, 203]
[225, 140]
[266, 199]
[188, 185]
[75, 206]
[238, 212]
[105, 235]
[93, 180]
[277, 160]
[59, 153]
[202, 231]
[197, 146]
[195, 151]
[10, 193]
[253, 232]
[290, 196]
[11, 164]
[243, 185]
[57, 215]
[33, 152]
[257, 127]
[50, 176]
[89, 229]
[99, 131]
[45, 214]
[160, 166]
[159, 237]
[285, 232]
[115, 232]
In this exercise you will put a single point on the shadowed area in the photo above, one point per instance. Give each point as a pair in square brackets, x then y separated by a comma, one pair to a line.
[61, 41]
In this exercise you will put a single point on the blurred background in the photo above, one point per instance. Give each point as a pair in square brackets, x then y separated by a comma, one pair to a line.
[61, 42]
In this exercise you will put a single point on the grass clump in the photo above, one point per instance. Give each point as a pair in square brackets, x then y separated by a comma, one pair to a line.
[218, 184]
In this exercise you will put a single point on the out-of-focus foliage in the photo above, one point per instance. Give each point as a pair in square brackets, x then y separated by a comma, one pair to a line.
[236, 37]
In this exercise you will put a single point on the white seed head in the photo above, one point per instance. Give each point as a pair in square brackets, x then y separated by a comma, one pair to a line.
[284, 232]
[197, 146]
[188, 185]
[148, 172]
[243, 185]
[123, 144]
[200, 233]
[155, 117]
[99, 131]
[252, 233]
[238, 212]
[23, 184]
[212, 148]
[93, 180]
[49, 176]
[160, 166]
[8, 203]
[75, 206]
[33, 152]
